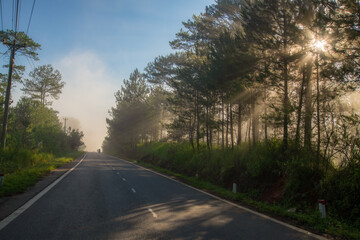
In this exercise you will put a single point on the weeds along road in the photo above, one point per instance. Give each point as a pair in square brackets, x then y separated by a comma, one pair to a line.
[108, 198]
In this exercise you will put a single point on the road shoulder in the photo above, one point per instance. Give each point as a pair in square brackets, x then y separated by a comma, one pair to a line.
[10, 203]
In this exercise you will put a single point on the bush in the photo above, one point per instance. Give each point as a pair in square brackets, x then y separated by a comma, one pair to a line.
[302, 181]
[12, 160]
[262, 164]
[263, 173]
[298, 180]
[23, 168]
[249, 169]
[342, 193]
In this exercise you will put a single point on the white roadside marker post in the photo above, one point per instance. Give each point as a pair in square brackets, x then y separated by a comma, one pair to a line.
[234, 188]
[322, 208]
[2, 179]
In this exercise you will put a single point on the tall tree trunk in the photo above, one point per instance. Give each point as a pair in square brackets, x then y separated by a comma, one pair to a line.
[42, 97]
[239, 123]
[227, 126]
[249, 129]
[191, 133]
[231, 128]
[318, 107]
[213, 113]
[299, 110]
[286, 79]
[207, 126]
[222, 122]
[218, 128]
[197, 122]
[161, 121]
[266, 118]
[255, 123]
[218, 134]
[265, 102]
[308, 108]
[286, 107]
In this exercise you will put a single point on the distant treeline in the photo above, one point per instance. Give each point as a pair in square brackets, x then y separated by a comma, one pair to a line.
[34, 126]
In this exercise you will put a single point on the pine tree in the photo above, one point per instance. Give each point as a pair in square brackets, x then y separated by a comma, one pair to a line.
[45, 83]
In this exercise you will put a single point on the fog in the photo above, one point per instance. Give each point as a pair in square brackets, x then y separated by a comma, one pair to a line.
[71, 122]
[354, 101]
[87, 95]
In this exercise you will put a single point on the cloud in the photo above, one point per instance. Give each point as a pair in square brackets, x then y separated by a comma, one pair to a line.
[87, 95]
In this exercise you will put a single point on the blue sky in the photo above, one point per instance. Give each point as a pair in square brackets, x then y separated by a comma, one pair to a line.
[96, 44]
[126, 34]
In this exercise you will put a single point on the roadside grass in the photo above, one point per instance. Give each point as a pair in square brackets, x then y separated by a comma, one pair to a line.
[23, 168]
[310, 220]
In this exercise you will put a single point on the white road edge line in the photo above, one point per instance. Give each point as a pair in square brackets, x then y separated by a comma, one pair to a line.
[153, 213]
[133, 190]
[28, 204]
[236, 205]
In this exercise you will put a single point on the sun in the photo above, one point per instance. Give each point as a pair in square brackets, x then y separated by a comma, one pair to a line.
[320, 45]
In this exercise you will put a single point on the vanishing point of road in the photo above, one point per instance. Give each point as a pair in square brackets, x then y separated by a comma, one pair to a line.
[108, 198]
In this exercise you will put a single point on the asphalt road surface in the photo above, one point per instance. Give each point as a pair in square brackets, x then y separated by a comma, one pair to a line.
[108, 198]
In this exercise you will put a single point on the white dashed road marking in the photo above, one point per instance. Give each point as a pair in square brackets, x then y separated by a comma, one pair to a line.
[234, 204]
[153, 213]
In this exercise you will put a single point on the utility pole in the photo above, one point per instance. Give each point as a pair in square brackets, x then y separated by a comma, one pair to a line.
[14, 48]
[65, 119]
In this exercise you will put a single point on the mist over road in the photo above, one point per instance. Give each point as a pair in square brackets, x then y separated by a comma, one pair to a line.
[108, 198]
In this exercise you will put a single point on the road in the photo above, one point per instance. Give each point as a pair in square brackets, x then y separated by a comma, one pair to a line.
[108, 198]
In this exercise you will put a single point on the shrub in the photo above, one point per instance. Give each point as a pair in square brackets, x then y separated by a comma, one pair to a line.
[342, 193]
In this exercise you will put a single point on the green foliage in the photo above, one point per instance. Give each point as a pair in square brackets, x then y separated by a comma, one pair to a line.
[31, 47]
[341, 191]
[33, 125]
[18, 72]
[310, 218]
[23, 168]
[302, 181]
[254, 66]
[45, 82]
[34, 134]
[136, 117]
[17, 159]
[258, 170]
[223, 167]
[74, 139]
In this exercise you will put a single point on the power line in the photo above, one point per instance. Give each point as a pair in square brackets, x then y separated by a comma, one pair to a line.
[14, 47]
[13, 15]
[2, 20]
[32, 10]
[31, 63]
[19, 12]
[65, 119]
[17, 15]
